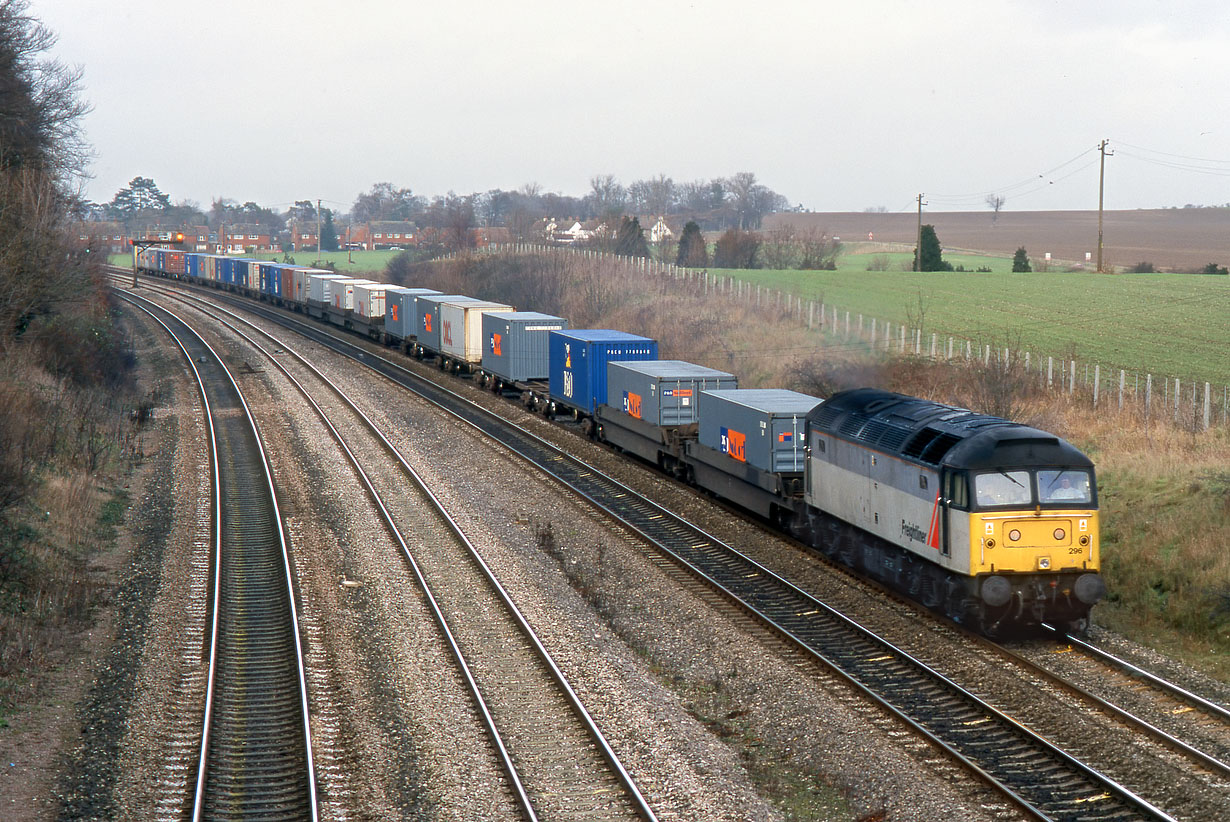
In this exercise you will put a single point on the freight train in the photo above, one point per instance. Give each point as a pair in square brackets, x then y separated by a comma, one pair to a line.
[989, 522]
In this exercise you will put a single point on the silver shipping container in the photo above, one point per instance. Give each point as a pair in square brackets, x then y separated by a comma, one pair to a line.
[661, 392]
[461, 329]
[764, 427]
[369, 300]
[343, 292]
[320, 287]
[515, 344]
[399, 310]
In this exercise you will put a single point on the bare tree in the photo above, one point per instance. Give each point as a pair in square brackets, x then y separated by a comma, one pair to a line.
[995, 202]
[606, 195]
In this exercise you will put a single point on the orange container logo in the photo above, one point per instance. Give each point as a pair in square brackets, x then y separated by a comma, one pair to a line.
[734, 444]
[495, 345]
[427, 323]
[632, 404]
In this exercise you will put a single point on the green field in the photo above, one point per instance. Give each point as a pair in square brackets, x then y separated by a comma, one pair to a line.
[1175, 325]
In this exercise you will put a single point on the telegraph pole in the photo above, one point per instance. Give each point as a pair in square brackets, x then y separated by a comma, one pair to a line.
[918, 240]
[318, 232]
[1101, 184]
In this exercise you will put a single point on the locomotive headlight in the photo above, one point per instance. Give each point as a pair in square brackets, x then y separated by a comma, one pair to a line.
[1084, 540]
[1044, 562]
[1014, 535]
[991, 542]
[1060, 534]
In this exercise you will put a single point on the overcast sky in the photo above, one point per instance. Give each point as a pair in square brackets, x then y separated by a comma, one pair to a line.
[839, 106]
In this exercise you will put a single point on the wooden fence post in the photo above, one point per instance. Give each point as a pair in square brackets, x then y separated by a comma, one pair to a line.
[1148, 397]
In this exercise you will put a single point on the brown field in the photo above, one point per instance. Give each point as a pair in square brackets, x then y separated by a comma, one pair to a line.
[1172, 239]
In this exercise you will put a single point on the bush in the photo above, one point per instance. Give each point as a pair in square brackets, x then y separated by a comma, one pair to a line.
[1142, 268]
[1212, 268]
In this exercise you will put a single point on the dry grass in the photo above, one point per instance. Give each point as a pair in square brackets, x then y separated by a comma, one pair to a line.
[1164, 489]
[62, 444]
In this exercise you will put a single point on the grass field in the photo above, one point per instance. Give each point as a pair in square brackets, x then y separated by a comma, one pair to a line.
[1165, 324]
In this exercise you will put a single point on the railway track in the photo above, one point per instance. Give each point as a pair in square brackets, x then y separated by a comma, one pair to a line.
[255, 755]
[558, 763]
[1033, 773]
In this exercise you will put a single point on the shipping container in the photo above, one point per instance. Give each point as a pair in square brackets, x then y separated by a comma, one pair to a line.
[461, 329]
[320, 287]
[578, 361]
[369, 300]
[343, 292]
[302, 277]
[243, 273]
[515, 344]
[399, 310]
[427, 318]
[763, 427]
[662, 392]
[267, 277]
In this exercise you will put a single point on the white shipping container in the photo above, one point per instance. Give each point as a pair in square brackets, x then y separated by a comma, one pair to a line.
[343, 292]
[369, 300]
[319, 287]
[461, 328]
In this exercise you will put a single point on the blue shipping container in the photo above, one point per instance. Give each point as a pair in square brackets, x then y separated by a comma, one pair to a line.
[578, 363]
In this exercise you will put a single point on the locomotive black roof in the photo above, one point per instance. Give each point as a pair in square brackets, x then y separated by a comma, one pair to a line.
[934, 433]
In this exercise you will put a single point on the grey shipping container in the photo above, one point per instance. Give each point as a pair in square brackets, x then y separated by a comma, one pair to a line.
[319, 287]
[399, 310]
[763, 427]
[427, 317]
[662, 392]
[515, 344]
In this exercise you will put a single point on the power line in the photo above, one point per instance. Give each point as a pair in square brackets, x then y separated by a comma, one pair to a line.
[979, 197]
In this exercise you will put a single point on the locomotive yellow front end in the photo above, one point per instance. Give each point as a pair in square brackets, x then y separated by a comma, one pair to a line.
[1034, 545]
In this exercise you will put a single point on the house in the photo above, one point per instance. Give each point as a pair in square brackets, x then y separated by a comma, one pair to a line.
[239, 238]
[569, 231]
[105, 237]
[660, 231]
[302, 235]
[385, 234]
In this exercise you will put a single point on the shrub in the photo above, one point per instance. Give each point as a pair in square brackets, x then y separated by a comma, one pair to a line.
[1212, 268]
[1142, 268]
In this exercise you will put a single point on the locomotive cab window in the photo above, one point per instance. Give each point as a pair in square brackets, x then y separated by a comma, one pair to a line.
[957, 490]
[1003, 488]
[1065, 486]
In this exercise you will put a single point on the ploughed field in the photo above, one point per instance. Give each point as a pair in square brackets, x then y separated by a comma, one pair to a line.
[1178, 239]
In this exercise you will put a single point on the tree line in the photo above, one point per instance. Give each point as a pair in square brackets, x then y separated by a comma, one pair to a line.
[739, 202]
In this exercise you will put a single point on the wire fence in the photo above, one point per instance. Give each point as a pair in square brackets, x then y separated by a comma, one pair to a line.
[1190, 403]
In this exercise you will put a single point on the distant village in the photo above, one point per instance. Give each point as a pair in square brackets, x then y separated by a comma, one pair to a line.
[114, 238]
